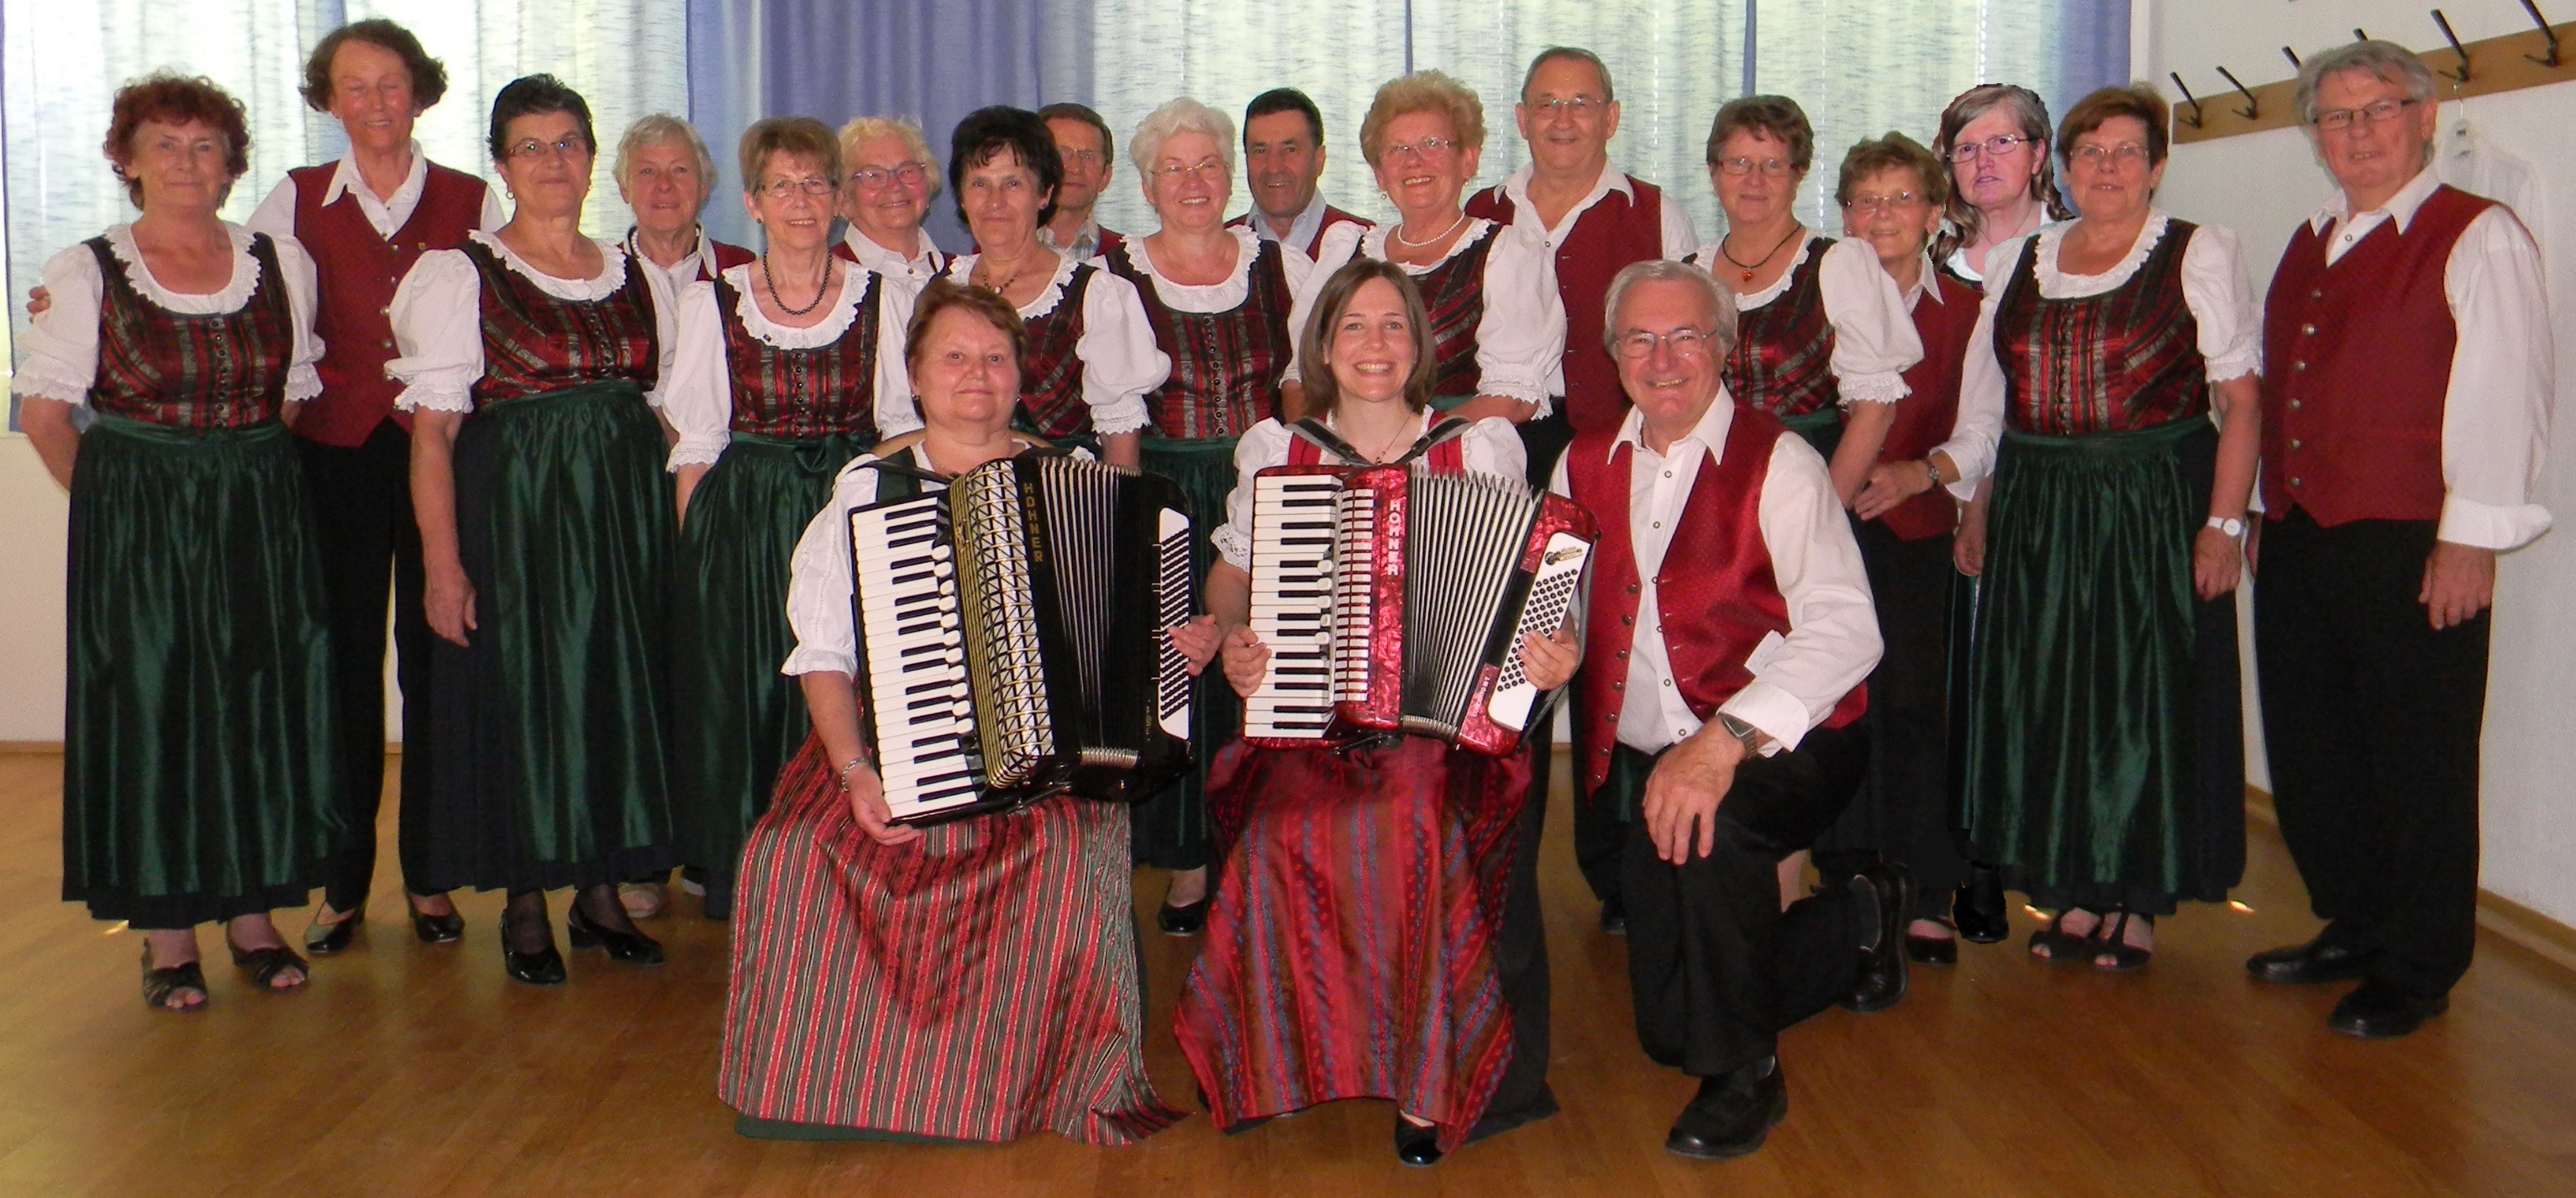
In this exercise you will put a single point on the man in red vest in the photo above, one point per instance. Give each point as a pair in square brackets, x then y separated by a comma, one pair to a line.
[364, 220]
[1283, 161]
[1594, 219]
[2406, 393]
[1726, 634]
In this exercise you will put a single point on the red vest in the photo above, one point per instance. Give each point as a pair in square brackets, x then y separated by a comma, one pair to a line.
[1447, 451]
[1332, 216]
[1924, 417]
[2356, 366]
[1110, 239]
[1610, 235]
[1715, 594]
[721, 257]
[358, 270]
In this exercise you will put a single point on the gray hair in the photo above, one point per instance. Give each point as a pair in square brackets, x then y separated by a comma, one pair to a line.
[1183, 115]
[870, 128]
[1721, 302]
[653, 131]
[2388, 61]
[1600, 69]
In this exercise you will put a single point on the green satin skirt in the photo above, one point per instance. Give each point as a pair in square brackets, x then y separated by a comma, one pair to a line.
[1822, 428]
[735, 720]
[1170, 830]
[2105, 751]
[198, 723]
[551, 764]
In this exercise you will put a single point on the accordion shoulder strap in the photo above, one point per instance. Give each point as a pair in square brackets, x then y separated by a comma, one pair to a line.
[1319, 442]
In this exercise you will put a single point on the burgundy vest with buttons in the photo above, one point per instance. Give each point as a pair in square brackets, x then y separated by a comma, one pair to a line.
[536, 344]
[1614, 232]
[2357, 366]
[1783, 364]
[1715, 591]
[803, 393]
[358, 270]
[1931, 405]
[218, 370]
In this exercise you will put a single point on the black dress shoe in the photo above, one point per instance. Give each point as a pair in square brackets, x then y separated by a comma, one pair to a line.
[1882, 964]
[2376, 1010]
[1733, 1114]
[325, 939]
[2311, 963]
[544, 967]
[1416, 1146]
[630, 946]
[438, 929]
[1614, 917]
[1187, 920]
[1978, 910]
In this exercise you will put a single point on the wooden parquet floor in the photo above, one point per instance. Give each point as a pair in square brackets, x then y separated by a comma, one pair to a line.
[414, 1070]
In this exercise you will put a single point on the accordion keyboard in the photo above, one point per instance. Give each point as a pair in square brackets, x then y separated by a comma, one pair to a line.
[1292, 604]
[908, 624]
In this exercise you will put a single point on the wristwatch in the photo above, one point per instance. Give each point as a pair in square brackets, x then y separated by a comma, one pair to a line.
[1746, 734]
[2230, 525]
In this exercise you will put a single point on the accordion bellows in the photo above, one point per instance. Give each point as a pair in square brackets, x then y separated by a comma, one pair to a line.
[1010, 640]
[1395, 599]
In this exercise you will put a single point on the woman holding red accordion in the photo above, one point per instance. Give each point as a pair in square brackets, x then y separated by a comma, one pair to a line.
[1382, 894]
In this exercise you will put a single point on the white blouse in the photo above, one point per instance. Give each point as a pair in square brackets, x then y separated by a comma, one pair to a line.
[698, 396]
[1874, 338]
[1489, 446]
[819, 589]
[1120, 362]
[438, 320]
[913, 272]
[1228, 295]
[1520, 341]
[2213, 286]
[58, 356]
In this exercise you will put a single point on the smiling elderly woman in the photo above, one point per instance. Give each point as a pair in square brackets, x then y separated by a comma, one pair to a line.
[665, 175]
[889, 177]
[1222, 304]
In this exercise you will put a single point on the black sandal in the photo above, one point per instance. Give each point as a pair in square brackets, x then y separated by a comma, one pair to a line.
[2063, 946]
[264, 964]
[160, 984]
[2111, 945]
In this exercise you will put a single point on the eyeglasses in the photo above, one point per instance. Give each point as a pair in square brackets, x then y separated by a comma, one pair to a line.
[1685, 343]
[871, 178]
[1568, 106]
[1994, 147]
[1427, 148]
[2336, 120]
[1771, 168]
[572, 146]
[1211, 171]
[1874, 203]
[2127, 153]
[812, 185]
[1081, 157]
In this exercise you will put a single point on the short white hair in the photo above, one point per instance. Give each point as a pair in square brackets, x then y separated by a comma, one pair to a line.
[1721, 302]
[862, 130]
[653, 131]
[1183, 115]
[2385, 61]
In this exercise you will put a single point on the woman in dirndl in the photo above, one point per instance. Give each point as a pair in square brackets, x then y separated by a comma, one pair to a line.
[1091, 358]
[788, 366]
[546, 522]
[1223, 307]
[197, 732]
[2106, 768]
[973, 981]
[1374, 931]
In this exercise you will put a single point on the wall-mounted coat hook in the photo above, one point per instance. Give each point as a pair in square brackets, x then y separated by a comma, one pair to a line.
[2360, 34]
[2251, 105]
[2293, 56]
[2551, 59]
[2461, 75]
[2194, 119]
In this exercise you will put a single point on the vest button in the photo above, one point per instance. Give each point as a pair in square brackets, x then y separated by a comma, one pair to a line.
[1632, 588]
[2301, 365]
[1628, 620]
[1618, 686]
[2294, 405]
[2297, 483]
[2316, 293]
[1623, 655]
[2307, 330]
[2296, 443]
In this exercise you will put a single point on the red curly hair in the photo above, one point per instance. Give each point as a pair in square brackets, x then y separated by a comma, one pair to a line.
[175, 100]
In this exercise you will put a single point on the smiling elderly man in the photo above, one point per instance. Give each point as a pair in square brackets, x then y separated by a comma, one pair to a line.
[1727, 631]
[2406, 394]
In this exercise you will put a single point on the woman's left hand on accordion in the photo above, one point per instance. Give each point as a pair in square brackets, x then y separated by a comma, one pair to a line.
[868, 806]
[1550, 661]
[1247, 660]
[1197, 641]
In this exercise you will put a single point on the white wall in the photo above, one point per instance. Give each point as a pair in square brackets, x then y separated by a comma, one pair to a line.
[2262, 185]
[33, 517]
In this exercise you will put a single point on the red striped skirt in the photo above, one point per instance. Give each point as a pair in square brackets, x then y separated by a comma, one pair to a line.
[977, 984]
[1349, 951]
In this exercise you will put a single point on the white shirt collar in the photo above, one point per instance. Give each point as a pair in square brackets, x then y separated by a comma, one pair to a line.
[1301, 231]
[2399, 208]
[682, 271]
[1516, 189]
[890, 262]
[346, 179]
[1925, 283]
[1709, 433]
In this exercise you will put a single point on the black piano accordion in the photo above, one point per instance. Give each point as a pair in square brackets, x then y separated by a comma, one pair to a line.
[1009, 637]
[1394, 599]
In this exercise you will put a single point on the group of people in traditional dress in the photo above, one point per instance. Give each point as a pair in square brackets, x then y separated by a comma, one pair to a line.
[1915, 571]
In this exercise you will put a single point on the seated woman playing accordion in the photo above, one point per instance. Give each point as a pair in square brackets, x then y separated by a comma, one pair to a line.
[970, 981]
[1375, 930]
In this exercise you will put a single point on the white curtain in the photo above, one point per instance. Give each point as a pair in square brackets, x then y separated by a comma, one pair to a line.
[64, 61]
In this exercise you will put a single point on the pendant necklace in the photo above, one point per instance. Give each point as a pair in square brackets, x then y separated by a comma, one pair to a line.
[1749, 267]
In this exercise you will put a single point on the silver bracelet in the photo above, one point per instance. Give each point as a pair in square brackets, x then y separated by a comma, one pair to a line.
[853, 763]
